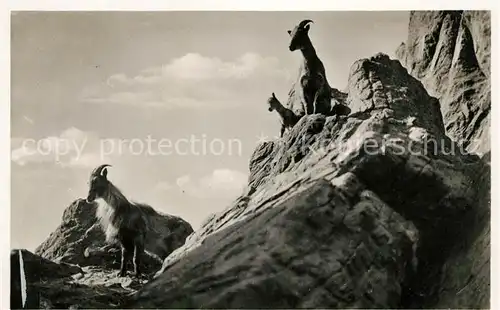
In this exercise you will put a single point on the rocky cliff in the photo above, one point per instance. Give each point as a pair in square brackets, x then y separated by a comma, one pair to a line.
[449, 51]
[379, 209]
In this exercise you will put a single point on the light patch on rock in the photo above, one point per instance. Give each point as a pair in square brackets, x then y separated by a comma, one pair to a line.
[24, 289]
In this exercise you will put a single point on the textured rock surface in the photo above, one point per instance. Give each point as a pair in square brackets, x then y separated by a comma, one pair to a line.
[35, 270]
[274, 260]
[58, 285]
[80, 240]
[74, 267]
[63, 286]
[449, 51]
[360, 211]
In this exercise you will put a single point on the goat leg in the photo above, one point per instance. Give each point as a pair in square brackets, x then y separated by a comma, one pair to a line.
[138, 251]
[282, 130]
[123, 263]
[321, 85]
[302, 96]
[315, 102]
[305, 104]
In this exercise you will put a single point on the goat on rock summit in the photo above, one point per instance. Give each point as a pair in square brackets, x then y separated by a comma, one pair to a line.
[288, 118]
[312, 86]
[123, 221]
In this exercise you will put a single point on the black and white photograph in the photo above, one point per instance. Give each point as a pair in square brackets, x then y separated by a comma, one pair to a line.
[250, 159]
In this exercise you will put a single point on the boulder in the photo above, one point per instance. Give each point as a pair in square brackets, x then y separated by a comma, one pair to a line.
[80, 240]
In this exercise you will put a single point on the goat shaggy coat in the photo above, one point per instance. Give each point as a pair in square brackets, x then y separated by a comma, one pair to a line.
[136, 227]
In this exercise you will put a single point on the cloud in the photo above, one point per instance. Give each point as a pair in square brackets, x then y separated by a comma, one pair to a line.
[224, 180]
[195, 81]
[220, 183]
[183, 181]
[193, 66]
[124, 98]
[116, 79]
[74, 134]
[197, 67]
[89, 160]
[72, 147]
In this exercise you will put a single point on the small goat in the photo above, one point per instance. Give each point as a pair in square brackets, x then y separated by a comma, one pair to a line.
[288, 118]
[122, 221]
[313, 88]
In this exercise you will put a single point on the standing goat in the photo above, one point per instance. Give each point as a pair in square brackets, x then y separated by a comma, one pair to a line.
[312, 85]
[123, 221]
[288, 118]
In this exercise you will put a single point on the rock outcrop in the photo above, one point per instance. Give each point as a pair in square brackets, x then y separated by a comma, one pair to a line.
[25, 282]
[449, 51]
[74, 267]
[80, 240]
[44, 284]
[379, 209]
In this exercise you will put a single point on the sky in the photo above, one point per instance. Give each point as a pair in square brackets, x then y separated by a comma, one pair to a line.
[174, 101]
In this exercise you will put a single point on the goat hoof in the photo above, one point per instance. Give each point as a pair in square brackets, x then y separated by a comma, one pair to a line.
[121, 273]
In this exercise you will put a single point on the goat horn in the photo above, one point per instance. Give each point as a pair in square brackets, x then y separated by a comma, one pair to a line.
[305, 22]
[98, 170]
